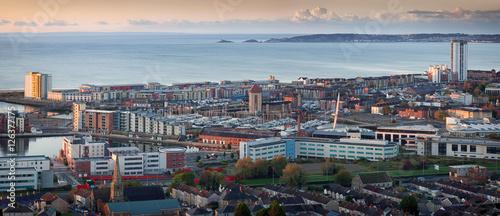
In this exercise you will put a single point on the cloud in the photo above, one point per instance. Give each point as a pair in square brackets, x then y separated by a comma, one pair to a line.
[102, 23]
[315, 14]
[457, 14]
[142, 22]
[60, 23]
[3, 22]
[22, 23]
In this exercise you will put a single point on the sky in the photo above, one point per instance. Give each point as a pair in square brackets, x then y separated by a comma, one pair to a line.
[251, 16]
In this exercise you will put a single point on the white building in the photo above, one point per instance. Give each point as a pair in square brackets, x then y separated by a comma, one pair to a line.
[81, 147]
[352, 148]
[463, 98]
[459, 58]
[131, 163]
[435, 71]
[30, 172]
[471, 128]
[471, 148]
[266, 148]
[401, 133]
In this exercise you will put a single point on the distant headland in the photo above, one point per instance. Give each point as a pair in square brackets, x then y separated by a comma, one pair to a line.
[477, 38]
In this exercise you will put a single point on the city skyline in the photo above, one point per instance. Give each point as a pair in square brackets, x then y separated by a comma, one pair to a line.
[221, 16]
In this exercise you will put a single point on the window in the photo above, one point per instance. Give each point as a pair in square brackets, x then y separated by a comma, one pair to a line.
[454, 147]
[472, 148]
[463, 148]
[442, 149]
[350, 147]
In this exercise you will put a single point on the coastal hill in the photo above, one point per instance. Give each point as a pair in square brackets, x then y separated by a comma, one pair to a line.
[479, 38]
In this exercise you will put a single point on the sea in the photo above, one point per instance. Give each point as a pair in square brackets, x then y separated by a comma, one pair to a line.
[130, 58]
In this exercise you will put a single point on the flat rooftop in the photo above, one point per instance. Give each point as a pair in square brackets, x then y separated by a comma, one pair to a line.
[123, 149]
[25, 158]
[469, 141]
[466, 166]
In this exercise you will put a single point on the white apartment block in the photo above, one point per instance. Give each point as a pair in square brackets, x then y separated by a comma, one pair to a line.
[80, 147]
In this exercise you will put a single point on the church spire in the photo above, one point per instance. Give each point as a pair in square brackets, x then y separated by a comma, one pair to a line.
[116, 184]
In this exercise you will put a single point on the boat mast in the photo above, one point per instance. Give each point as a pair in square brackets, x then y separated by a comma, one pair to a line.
[336, 112]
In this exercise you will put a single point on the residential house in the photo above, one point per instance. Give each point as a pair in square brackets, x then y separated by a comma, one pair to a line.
[381, 179]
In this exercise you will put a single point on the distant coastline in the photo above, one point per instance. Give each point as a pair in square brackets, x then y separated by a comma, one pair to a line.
[343, 38]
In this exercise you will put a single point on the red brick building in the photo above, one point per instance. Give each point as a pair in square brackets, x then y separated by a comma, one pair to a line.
[469, 174]
[232, 136]
[418, 112]
[98, 121]
[176, 157]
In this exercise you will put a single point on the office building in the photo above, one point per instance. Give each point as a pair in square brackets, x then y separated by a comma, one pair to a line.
[459, 58]
[402, 134]
[351, 149]
[37, 85]
[456, 147]
[31, 172]
[436, 72]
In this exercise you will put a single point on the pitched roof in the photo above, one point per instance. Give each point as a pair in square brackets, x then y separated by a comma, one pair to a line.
[255, 89]
[149, 207]
[83, 193]
[48, 197]
[226, 209]
[374, 178]
[141, 193]
[18, 209]
[197, 211]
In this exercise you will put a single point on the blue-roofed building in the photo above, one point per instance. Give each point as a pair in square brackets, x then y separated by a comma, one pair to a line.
[150, 207]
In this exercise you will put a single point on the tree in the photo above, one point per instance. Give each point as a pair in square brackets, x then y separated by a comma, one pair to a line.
[409, 205]
[493, 110]
[185, 178]
[407, 165]
[494, 174]
[200, 164]
[71, 196]
[327, 168]
[276, 210]
[279, 163]
[441, 115]
[403, 104]
[386, 110]
[228, 146]
[242, 210]
[492, 136]
[262, 212]
[260, 167]
[211, 180]
[224, 146]
[343, 177]
[232, 155]
[198, 158]
[294, 175]
[224, 155]
[132, 184]
[422, 164]
[244, 167]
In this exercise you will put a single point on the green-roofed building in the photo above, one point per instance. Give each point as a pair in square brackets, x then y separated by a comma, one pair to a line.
[149, 207]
